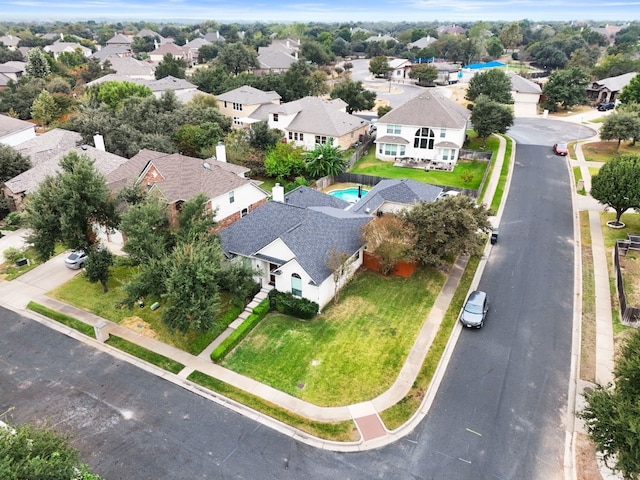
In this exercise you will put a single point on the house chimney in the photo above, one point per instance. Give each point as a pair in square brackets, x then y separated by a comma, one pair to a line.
[221, 152]
[277, 193]
[98, 141]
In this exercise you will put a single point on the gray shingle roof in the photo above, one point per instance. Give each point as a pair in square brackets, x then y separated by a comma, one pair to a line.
[104, 162]
[614, 84]
[523, 85]
[310, 234]
[119, 39]
[403, 191]
[48, 144]
[276, 59]
[306, 197]
[9, 125]
[248, 95]
[110, 50]
[428, 109]
[130, 66]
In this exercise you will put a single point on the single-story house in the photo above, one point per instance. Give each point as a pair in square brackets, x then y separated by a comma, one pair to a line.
[526, 95]
[16, 189]
[394, 195]
[607, 89]
[311, 121]
[179, 178]
[400, 68]
[243, 101]
[14, 131]
[427, 128]
[291, 245]
[69, 47]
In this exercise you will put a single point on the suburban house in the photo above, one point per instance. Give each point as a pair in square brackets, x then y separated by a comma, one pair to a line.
[10, 72]
[10, 41]
[109, 51]
[291, 246]
[244, 101]
[14, 131]
[394, 195]
[193, 48]
[214, 37]
[178, 178]
[120, 40]
[526, 95]
[16, 189]
[429, 128]
[132, 67]
[183, 89]
[311, 121]
[59, 47]
[380, 38]
[170, 48]
[274, 61]
[421, 43]
[399, 68]
[607, 89]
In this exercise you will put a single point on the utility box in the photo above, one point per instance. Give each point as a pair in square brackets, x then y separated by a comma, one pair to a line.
[21, 262]
[494, 237]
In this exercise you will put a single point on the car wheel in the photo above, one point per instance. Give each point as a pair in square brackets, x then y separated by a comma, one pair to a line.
[482, 324]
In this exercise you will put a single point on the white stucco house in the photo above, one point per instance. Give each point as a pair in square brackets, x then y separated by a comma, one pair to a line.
[427, 128]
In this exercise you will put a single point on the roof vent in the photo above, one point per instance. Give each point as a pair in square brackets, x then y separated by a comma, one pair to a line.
[207, 165]
[84, 147]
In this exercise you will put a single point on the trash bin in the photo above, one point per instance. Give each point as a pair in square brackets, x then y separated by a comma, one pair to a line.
[21, 262]
[494, 237]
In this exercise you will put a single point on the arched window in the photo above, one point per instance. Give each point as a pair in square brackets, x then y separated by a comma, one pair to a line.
[296, 285]
[424, 138]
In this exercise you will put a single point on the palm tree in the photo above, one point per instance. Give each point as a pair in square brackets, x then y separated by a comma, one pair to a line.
[324, 160]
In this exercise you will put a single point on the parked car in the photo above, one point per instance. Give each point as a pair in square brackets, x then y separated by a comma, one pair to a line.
[448, 193]
[76, 259]
[604, 106]
[560, 149]
[475, 310]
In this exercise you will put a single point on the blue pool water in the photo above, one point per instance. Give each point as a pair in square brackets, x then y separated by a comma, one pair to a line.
[348, 194]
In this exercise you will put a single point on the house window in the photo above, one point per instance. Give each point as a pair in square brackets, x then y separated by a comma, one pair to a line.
[395, 129]
[290, 135]
[424, 139]
[390, 149]
[244, 212]
[236, 121]
[296, 285]
[300, 137]
[275, 117]
[237, 106]
[443, 132]
[232, 196]
[321, 140]
[225, 104]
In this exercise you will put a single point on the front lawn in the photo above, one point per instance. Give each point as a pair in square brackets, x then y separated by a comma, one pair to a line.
[604, 151]
[353, 351]
[89, 296]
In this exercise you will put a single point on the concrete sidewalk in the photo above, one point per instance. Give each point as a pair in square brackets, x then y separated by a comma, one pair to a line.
[34, 285]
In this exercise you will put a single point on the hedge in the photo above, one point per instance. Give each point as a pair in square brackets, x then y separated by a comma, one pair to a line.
[286, 303]
[259, 312]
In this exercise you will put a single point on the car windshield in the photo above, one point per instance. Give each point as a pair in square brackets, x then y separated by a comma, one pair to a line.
[562, 146]
[73, 256]
[473, 308]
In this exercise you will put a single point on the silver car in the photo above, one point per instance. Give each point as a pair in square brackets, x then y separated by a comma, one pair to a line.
[475, 310]
[76, 259]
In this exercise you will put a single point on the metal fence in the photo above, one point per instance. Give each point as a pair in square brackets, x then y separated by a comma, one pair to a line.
[629, 315]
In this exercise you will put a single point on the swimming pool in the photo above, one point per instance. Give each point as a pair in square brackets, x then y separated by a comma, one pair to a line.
[349, 194]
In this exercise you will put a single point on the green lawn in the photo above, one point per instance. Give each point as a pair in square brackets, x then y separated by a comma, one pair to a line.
[350, 353]
[89, 296]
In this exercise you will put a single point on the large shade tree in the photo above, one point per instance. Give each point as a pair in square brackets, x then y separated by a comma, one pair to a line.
[12, 163]
[390, 239]
[355, 95]
[565, 88]
[448, 227]
[612, 413]
[620, 126]
[617, 184]
[494, 84]
[489, 117]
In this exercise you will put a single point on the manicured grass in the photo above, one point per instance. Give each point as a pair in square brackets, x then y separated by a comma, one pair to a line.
[11, 271]
[70, 322]
[144, 354]
[504, 175]
[89, 296]
[337, 431]
[593, 171]
[402, 411]
[350, 353]
[577, 174]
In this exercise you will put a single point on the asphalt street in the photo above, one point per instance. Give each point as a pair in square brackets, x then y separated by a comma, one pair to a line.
[499, 412]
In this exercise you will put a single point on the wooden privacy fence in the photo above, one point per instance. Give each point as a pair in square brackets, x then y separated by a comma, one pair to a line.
[629, 315]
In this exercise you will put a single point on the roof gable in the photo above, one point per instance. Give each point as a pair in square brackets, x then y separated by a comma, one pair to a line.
[248, 95]
[403, 191]
[428, 109]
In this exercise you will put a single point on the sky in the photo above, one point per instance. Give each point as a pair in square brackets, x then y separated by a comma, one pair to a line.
[269, 11]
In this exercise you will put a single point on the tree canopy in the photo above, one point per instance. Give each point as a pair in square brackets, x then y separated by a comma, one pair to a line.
[355, 95]
[325, 159]
[621, 126]
[390, 239]
[34, 453]
[617, 184]
[631, 92]
[171, 66]
[425, 73]
[494, 84]
[66, 207]
[237, 58]
[489, 117]
[612, 412]
[12, 163]
[379, 66]
[566, 88]
[448, 227]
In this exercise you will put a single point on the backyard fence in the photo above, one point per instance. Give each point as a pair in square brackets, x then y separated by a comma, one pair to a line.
[630, 316]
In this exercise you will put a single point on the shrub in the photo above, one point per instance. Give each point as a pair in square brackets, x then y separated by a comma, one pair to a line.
[286, 303]
[14, 219]
[229, 343]
[12, 254]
